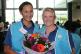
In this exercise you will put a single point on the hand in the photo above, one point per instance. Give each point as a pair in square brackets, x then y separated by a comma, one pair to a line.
[73, 51]
[8, 50]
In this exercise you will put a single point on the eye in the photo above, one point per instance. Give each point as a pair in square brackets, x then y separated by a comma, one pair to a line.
[26, 11]
[45, 16]
[31, 11]
[51, 16]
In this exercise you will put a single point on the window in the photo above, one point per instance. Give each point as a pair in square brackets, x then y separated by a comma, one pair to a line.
[60, 3]
[12, 12]
[46, 3]
[61, 16]
[34, 19]
[9, 3]
[40, 21]
[18, 2]
[9, 16]
[17, 15]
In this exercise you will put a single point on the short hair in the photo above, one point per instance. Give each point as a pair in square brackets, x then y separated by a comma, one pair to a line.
[49, 9]
[23, 4]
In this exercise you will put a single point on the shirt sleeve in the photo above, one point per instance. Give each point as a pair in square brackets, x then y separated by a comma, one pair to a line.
[71, 40]
[7, 40]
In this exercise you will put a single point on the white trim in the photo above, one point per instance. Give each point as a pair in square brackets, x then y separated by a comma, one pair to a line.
[68, 40]
[55, 40]
[55, 46]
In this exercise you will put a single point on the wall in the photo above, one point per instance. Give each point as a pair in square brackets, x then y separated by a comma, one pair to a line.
[0, 9]
[76, 10]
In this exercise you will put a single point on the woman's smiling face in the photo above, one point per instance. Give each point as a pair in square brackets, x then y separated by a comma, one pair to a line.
[48, 18]
[27, 12]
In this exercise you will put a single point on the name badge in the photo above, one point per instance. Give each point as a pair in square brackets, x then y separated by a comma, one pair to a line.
[22, 30]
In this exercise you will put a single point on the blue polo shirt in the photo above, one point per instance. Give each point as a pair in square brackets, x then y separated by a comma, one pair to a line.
[52, 35]
[8, 35]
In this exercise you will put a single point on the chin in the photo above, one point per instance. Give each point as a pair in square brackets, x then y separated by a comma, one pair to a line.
[47, 25]
[29, 19]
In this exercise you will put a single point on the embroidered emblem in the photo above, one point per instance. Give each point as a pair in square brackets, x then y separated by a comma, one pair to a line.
[59, 36]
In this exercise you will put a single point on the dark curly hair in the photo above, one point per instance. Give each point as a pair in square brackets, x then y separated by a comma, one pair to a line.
[23, 4]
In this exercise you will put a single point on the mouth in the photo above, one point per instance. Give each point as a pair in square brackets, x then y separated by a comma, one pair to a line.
[29, 16]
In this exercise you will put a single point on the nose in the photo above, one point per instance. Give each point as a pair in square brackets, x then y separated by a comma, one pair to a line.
[29, 13]
[47, 18]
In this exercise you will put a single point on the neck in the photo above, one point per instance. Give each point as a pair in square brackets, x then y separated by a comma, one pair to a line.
[26, 23]
[50, 28]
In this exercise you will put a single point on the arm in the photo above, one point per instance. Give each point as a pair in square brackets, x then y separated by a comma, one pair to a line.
[73, 51]
[71, 44]
[8, 50]
[8, 44]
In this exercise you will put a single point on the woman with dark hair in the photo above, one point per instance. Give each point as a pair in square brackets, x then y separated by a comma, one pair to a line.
[71, 27]
[15, 35]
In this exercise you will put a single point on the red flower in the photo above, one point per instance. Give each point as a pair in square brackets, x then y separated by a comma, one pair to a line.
[38, 47]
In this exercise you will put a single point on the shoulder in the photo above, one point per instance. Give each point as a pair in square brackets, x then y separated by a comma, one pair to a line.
[36, 26]
[16, 24]
[43, 28]
[62, 29]
[76, 36]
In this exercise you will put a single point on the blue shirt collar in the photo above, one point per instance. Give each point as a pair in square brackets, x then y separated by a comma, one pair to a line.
[52, 35]
[25, 26]
[30, 29]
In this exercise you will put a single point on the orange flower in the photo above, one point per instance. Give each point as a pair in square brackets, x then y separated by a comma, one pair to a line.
[34, 35]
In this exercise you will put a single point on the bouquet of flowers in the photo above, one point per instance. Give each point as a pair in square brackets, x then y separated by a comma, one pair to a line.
[36, 44]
